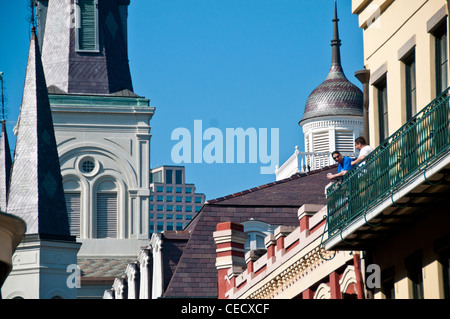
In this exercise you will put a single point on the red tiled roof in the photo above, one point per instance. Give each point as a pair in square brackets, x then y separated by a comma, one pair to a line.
[275, 203]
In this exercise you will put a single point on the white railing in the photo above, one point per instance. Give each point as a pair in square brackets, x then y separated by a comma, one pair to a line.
[302, 162]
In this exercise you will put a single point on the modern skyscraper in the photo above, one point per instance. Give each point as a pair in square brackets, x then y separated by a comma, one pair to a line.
[173, 202]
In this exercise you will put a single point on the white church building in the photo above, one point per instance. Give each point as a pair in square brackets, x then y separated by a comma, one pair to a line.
[102, 134]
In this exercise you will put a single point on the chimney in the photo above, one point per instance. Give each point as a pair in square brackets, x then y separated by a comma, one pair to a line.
[230, 239]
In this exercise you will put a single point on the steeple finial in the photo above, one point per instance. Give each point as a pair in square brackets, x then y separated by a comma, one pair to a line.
[32, 4]
[336, 42]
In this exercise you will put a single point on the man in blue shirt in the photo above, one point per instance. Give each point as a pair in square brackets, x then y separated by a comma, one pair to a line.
[344, 165]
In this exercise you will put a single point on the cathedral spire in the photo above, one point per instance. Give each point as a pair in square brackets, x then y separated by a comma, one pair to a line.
[5, 167]
[36, 191]
[5, 155]
[336, 42]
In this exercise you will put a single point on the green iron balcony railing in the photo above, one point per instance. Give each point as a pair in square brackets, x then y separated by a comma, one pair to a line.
[399, 159]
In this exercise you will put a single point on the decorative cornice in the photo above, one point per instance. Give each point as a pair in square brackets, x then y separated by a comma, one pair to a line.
[293, 273]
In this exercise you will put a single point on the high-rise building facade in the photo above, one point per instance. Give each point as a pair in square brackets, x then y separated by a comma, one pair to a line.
[173, 202]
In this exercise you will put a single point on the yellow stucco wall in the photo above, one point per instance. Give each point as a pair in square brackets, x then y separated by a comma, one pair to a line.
[387, 26]
[418, 236]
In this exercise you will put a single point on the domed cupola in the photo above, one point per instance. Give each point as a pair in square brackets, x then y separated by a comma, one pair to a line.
[336, 95]
[333, 115]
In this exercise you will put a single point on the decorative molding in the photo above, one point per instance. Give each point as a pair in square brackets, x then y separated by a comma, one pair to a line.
[292, 274]
[332, 124]
[323, 292]
[347, 278]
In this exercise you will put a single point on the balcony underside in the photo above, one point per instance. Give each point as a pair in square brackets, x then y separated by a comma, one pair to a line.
[406, 205]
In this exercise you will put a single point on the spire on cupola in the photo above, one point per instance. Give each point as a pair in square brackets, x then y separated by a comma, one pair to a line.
[336, 42]
[5, 155]
[36, 190]
[336, 96]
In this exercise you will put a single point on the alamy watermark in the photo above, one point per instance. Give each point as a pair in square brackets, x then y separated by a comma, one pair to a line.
[373, 276]
[236, 145]
[73, 280]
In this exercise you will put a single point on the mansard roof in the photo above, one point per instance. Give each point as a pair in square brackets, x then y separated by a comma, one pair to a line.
[275, 203]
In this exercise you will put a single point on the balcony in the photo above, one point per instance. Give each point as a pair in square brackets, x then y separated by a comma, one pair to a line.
[303, 162]
[405, 174]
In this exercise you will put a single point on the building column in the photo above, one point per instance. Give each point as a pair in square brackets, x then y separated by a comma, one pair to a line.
[132, 272]
[156, 245]
[270, 244]
[145, 264]
[335, 288]
[120, 288]
[308, 294]
[280, 234]
[358, 274]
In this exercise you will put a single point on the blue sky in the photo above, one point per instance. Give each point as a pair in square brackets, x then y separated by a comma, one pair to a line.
[229, 63]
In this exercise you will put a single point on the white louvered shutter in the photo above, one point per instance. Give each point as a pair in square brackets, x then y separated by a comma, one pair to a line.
[87, 32]
[73, 211]
[344, 141]
[321, 142]
[106, 215]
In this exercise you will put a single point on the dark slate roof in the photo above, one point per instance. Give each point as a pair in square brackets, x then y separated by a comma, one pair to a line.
[275, 203]
[36, 191]
[174, 243]
[107, 267]
[5, 167]
[103, 72]
[336, 96]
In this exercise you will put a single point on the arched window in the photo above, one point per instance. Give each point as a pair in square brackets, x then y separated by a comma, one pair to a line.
[256, 233]
[106, 210]
[72, 196]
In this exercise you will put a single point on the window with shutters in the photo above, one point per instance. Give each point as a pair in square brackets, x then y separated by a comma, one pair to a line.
[87, 26]
[73, 211]
[321, 142]
[72, 194]
[441, 58]
[344, 141]
[410, 85]
[106, 213]
[383, 125]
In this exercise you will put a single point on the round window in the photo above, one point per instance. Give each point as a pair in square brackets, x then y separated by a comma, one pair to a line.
[87, 166]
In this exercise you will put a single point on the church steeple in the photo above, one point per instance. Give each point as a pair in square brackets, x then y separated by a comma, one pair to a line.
[84, 46]
[5, 155]
[5, 167]
[36, 191]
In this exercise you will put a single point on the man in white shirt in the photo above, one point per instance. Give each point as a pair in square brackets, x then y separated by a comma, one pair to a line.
[363, 148]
